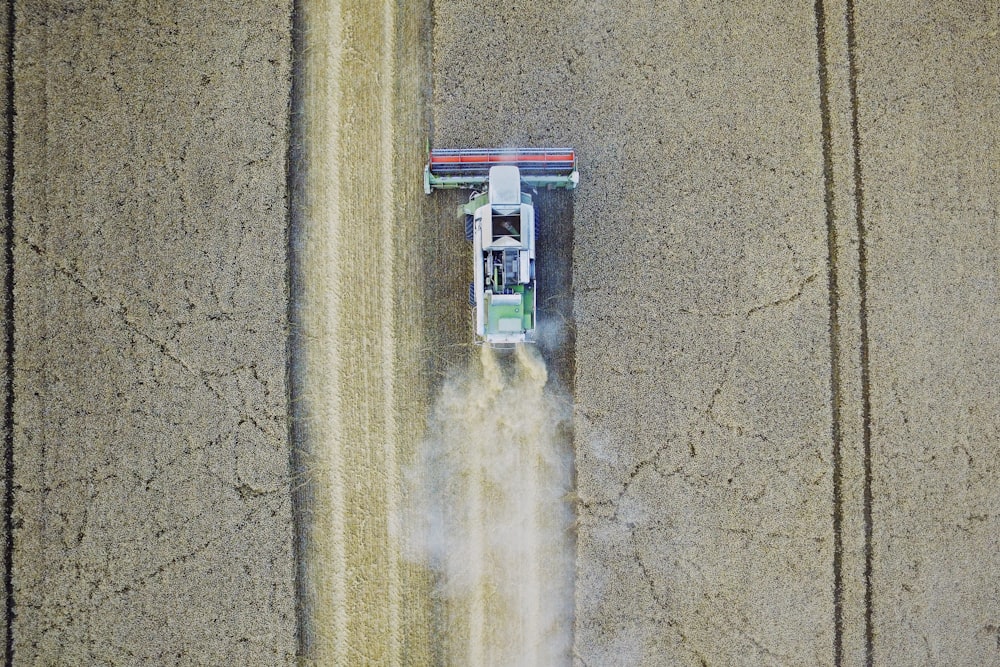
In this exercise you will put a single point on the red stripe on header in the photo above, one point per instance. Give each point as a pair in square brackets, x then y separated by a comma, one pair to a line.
[472, 158]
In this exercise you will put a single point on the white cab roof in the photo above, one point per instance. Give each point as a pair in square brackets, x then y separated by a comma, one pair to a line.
[505, 185]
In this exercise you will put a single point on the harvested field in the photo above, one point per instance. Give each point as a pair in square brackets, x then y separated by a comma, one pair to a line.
[760, 427]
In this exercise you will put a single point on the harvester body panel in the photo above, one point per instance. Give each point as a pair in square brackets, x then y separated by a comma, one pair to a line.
[503, 264]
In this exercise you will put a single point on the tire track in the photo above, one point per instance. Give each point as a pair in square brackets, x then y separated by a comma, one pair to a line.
[847, 284]
[866, 403]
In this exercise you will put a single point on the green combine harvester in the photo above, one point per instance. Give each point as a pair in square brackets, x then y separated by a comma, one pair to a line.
[500, 223]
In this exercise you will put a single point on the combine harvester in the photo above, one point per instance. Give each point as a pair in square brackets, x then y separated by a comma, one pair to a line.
[500, 222]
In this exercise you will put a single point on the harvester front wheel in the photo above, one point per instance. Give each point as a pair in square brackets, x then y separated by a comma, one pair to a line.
[469, 227]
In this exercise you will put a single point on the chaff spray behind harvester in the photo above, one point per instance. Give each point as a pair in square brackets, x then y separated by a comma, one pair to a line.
[500, 223]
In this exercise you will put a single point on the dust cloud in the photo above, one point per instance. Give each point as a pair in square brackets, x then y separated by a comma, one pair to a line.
[489, 513]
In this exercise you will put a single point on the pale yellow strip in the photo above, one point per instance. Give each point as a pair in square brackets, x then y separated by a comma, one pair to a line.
[389, 277]
[352, 261]
[324, 550]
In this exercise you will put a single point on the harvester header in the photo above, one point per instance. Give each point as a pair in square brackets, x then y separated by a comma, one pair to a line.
[449, 168]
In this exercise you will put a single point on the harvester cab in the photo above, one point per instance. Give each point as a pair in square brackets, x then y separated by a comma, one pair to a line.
[500, 223]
